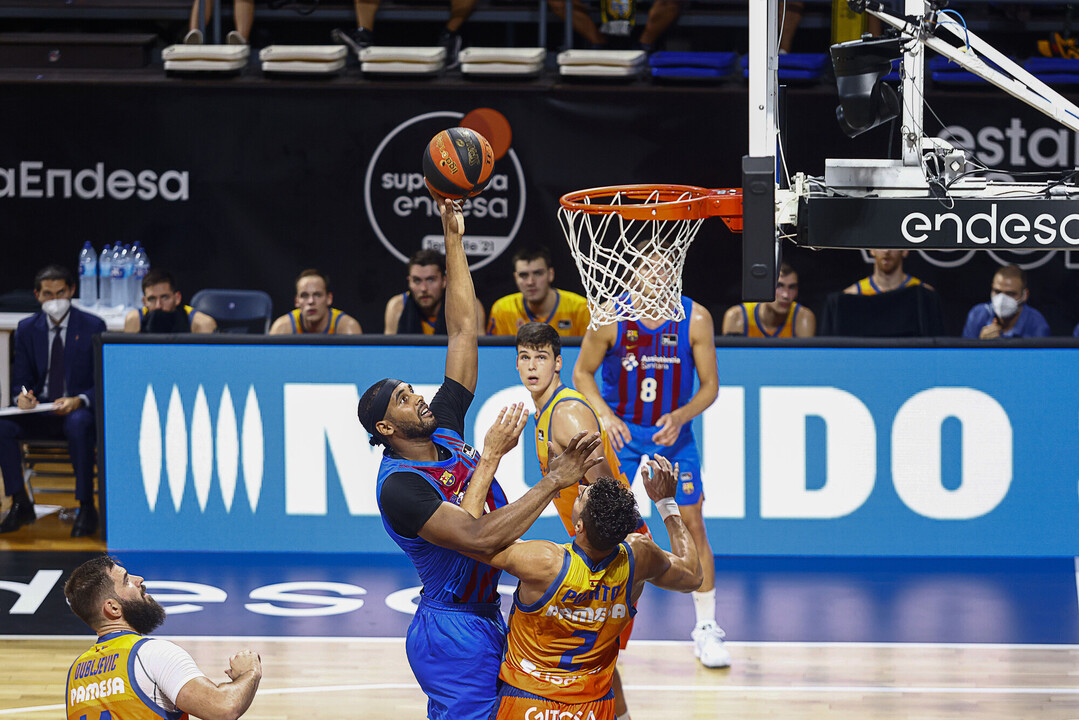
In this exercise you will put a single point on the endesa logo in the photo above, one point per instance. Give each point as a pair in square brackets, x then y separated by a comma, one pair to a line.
[990, 228]
[399, 205]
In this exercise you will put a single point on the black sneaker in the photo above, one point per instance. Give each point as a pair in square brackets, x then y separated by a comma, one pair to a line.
[357, 39]
[452, 42]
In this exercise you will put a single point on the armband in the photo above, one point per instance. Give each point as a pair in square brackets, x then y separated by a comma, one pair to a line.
[667, 507]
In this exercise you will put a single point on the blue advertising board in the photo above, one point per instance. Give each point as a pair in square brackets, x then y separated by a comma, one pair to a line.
[807, 451]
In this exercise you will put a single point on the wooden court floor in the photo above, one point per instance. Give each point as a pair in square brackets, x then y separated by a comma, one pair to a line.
[333, 679]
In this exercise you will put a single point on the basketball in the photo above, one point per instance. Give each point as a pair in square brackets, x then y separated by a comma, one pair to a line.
[458, 163]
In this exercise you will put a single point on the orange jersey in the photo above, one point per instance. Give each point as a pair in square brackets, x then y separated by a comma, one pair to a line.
[751, 321]
[866, 286]
[565, 498]
[100, 683]
[564, 646]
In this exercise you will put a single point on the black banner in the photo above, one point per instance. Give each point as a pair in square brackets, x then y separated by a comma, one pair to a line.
[245, 184]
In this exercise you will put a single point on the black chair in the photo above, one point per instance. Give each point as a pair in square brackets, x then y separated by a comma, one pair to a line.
[244, 312]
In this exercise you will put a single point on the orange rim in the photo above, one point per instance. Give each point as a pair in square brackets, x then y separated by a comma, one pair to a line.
[671, 202]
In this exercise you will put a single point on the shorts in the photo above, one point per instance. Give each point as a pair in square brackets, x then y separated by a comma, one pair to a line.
[455, 651]
[684, 452]
[516, 704]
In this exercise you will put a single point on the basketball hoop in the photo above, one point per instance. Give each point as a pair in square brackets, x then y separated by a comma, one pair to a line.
[630, 242]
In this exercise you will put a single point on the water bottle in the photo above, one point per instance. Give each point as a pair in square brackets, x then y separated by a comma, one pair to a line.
[104, 271]
[121, 257]
[88, 275]
[141, 267]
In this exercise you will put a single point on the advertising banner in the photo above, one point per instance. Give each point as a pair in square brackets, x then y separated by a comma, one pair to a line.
[807, 451]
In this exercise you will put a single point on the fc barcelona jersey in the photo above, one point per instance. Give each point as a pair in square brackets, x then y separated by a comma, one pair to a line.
[101, 683]
[447, 575]
[565, 498]
[649, 373]
[563, 647]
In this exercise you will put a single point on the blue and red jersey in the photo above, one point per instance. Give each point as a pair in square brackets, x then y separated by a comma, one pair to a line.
[447, 576]
[648, 373]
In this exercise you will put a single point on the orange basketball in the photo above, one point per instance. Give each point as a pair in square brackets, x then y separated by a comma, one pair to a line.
[458, 163]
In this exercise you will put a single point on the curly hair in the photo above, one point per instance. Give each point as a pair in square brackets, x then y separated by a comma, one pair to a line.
[88, 586]
[609, 513]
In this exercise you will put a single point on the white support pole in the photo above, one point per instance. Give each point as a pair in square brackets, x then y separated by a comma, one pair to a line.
[763, 65]
[910, 133]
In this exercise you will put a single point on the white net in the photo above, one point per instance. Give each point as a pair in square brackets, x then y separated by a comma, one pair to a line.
[631, 268]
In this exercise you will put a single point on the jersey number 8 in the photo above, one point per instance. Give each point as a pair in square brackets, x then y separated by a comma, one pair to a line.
[648, 390]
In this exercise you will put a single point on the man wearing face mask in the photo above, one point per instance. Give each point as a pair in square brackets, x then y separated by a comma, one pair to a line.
[54, 362]
[1006, 314]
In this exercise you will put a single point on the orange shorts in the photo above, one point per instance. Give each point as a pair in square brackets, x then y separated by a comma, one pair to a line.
[515, 704]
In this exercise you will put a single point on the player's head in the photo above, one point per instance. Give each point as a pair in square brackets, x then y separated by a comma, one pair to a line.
[653, 269]
[605, 512]
[786, 288]
[313, 295]
[391, 412]
[539, 355]
[101, 591]
[427, 279]
[159, 291]
[888, 261]
[533, 273]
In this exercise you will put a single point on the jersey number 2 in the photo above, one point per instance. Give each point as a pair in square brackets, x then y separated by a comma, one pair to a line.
[648, 390]
[566, 661]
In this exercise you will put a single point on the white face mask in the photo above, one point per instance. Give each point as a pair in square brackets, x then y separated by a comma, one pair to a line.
[1004, 306]
[56, 309]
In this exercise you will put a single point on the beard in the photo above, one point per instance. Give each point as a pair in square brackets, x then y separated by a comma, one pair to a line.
[417, 429]
[144, 616]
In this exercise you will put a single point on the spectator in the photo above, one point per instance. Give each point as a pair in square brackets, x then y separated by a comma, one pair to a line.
[537, 301]
[243, 14]
[125, 674]
[54, 361]
[314, 312]
[163, 309]
[782, 317]
[420, 310]
[887, 275]
[622, 13]
[364, 36]
[1006, 314]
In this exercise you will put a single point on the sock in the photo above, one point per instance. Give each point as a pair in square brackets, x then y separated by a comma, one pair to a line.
[705, 605]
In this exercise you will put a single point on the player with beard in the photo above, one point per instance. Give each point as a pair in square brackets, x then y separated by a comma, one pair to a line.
[457, 637]
[127, 675]
[421, 310]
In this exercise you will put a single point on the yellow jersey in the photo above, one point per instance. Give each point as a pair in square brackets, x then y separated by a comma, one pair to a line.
[100, 683]
[565, 498]
[569, 318]
[564, 646]
[751, 321]
[296, 317]
[866, 286]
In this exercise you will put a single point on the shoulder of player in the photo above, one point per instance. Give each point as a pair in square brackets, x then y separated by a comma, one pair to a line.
[733, 318]
[348, 325]
[505, 303]
[395, 303]
[282, 325]
[646, 556]
[570, 416]
[700, 321]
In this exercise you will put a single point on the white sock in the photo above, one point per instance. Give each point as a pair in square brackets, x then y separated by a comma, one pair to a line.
[705, 605]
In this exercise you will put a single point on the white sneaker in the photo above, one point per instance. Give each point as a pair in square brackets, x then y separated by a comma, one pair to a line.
[193, 37]
[708, 645]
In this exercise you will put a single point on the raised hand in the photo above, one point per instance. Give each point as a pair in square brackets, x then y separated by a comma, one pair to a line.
[662, 479]
[569, 467]
[506, 431]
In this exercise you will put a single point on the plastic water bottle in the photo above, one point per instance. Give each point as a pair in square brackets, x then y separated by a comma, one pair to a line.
[88, 275]
[121, 259]
[104, 271]
[141, 265]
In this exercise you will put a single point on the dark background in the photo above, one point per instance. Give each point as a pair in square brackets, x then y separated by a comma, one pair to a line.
[277, 173]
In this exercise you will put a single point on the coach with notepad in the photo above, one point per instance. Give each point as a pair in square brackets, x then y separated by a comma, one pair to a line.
[54, 362]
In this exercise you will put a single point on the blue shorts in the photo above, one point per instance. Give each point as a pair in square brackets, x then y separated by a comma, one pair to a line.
[684, 452]
[455, 652]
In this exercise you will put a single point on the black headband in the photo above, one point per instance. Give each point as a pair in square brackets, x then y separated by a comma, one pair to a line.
[376, 411]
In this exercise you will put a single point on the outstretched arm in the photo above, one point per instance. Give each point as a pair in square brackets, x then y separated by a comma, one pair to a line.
[500, 439]
[462, 355]
[536, 563]
[453, 528]
[678, 569]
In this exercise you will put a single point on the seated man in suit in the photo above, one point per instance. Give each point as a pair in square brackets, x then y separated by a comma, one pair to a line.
[163, 310]
[54, 362]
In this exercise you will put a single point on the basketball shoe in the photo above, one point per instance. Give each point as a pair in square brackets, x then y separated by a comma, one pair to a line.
[708, 645]
[452, 42]
[357, 40]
